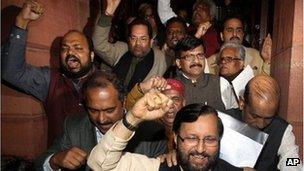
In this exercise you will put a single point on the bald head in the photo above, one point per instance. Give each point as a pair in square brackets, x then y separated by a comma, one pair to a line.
[261, 101]
[263, 88]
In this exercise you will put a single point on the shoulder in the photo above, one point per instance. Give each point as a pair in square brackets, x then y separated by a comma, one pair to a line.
[77, 121]
[251, 52]
[158, 53]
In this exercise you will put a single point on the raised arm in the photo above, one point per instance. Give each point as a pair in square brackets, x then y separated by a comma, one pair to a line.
[138, 91]
[111, 53]
[30, 79]
[108, 154]
[164, 10]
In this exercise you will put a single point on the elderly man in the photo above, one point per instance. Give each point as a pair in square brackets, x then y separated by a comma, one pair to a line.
[231, 60]
[197, 132]
[233, 30]
[104, 96]
[201, 87]
[59, 90]
[260, 105]
[134, 61]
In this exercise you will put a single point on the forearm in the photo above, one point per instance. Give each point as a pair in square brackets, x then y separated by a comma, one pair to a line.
[266, 68]
[108, 51]
[30, 79]
[133, 96]
[107, 153]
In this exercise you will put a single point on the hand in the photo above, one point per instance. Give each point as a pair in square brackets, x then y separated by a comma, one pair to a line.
[202, 29]
[31, 11]
[155, 82]
[152, 106]
[169, 157]
[266, 49]
[72, 158]
[111, 6]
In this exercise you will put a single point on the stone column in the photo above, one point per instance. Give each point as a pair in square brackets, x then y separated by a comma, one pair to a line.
[287, 62]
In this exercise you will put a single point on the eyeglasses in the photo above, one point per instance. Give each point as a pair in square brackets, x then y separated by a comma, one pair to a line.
[209, 141]
[228, 59]
[192, 57]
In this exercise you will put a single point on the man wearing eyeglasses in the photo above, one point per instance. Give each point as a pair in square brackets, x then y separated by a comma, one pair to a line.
[197, 132]
[231, 60]
[201, 87]
[233, 31]
[260, 105]
[134, 61]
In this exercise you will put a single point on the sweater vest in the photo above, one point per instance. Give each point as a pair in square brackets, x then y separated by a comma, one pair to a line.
[206, 90]
[268, 159]
[63, 99]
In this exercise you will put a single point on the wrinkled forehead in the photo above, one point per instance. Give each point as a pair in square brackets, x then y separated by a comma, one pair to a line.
[173, 93]
[176, 26]
[74, 36]
[196, 50]
[234, 23]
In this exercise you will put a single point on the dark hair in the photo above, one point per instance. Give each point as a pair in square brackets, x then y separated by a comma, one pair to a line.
[103, 79]
[229, 17]
[89, 40]
[138, 21]
[187, 43]
[191, 112]
[176, 20]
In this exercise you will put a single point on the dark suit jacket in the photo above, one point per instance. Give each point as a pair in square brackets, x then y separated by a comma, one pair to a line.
[80, 132]
[77, 131]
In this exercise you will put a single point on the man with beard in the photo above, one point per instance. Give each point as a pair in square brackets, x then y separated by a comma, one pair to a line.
[233, 30]
[197, 133]
[59, 90]
[104, 96]
[260, 105]
[134, 61]
[201, 87]
[176, 29]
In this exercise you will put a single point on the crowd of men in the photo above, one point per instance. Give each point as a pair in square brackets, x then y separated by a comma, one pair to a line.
[160, 98]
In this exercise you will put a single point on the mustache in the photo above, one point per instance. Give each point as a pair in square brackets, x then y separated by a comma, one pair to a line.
[234, 37]
[196, 153]
[194, 65]
[72, 57]
[104, 123]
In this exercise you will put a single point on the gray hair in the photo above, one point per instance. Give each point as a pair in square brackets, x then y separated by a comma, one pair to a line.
[210, 3]
[233, 45]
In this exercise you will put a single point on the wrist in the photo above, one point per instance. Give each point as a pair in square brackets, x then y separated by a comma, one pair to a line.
[53, 164]
[130, 121]
[21, 22]
[140, 89]
[109, 12]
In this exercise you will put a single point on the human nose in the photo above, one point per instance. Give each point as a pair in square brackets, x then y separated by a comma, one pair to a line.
[102, 117]
[201, 147]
